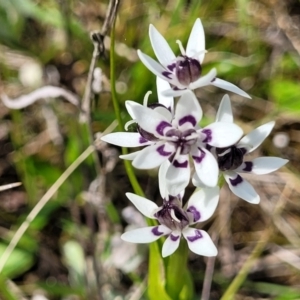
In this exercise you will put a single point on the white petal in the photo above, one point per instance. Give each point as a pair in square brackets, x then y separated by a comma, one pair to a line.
[199, 242]
[155, 67]
[203, 203]
[160, 47]
[178, 175]
[229, 87]
[162, 178]
[164, 112]
[130, 156]
[204, 80]
[174, 93]
[125, 139]
[163, 85]
[145, 206]
[188, 111]
[196, 42]
[222, 134]
[129, 104]
[262, 165]
[145, 235]
[257, 136]
[241, 187]
[206, 167]
[171, 244]
[197, 182]
[224, 113]
[152, 156]
[150, 120]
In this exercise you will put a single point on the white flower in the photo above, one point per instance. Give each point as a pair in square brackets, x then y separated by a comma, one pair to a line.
[175, 221]
[171, 137]
[183, 72]
[231, 159]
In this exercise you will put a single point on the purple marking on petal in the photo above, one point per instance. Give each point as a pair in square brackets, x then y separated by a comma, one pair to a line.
[162, 126]
[214, 79]
[167, 74]
[162, 152]
[174, 238]
[198, 159]
[155, 231]
[142, 140]
[195, 212]
[171, 67]
[178, 164]
[248, 166]
[188, 119]
[208, 134]
[236, 181]
[195, 237]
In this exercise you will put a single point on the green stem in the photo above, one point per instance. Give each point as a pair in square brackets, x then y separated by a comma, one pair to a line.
[156, 266]
[177, 272]
[128, 167]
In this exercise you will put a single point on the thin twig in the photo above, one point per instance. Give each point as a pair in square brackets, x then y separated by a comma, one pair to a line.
[86, 101]
[98, 41]
[49, 194]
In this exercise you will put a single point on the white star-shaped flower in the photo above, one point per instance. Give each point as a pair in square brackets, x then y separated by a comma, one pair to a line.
[231, 159]
[183, 72]
[171, 137]
[176, 221]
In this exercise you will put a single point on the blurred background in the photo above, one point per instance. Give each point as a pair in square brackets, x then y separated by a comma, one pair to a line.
[72, 249]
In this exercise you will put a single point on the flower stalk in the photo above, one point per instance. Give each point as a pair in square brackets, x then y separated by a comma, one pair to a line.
[179, 284]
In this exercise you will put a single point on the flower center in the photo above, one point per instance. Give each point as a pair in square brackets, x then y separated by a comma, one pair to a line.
[187, 70]
[183, 139]
[230, 158]
[172, 215]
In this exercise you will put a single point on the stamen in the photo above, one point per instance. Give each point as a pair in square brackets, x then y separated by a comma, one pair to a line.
[177, 154]
[181, 47]
[145, 101]
[174, 217]
[128, 124]
[225, 152]
[192, 136]
[170, 139]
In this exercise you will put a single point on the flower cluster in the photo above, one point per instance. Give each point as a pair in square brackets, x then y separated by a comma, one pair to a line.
[174, 141]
